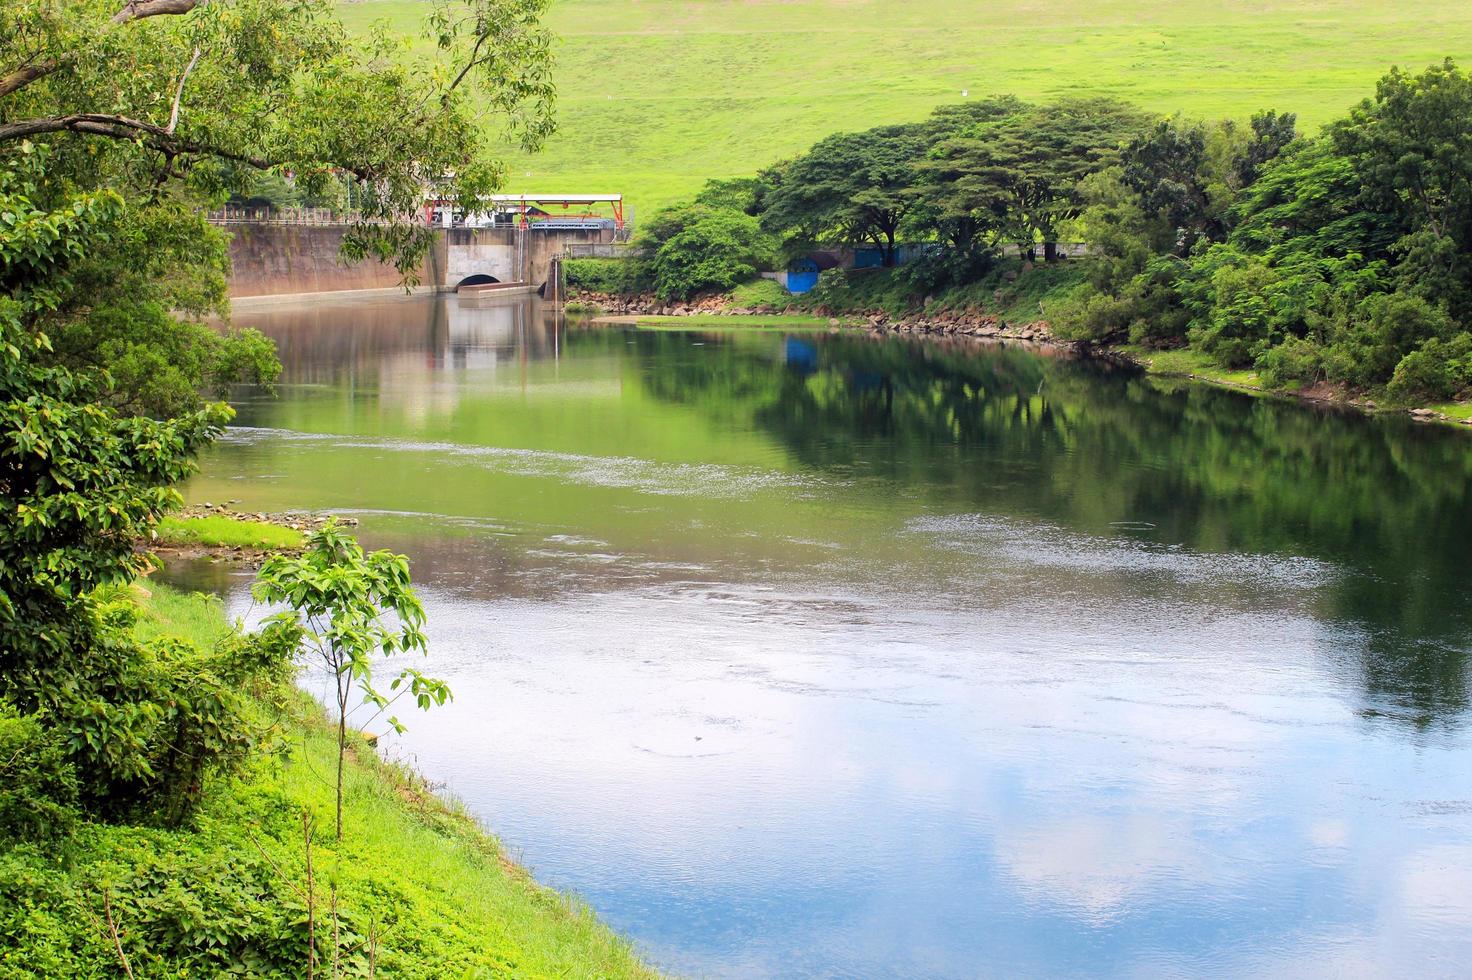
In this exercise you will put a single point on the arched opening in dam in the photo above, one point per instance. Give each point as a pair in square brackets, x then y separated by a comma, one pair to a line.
[479, 279]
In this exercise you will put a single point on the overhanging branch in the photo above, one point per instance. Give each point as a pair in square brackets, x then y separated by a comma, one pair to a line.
[139, 9]
[25, 75]
[124, 128]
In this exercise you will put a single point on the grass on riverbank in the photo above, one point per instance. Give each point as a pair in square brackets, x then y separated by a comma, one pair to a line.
[411, 869]
[713, 321]
[220, 531]
[1460, 411]
[657, 96]
[1185, 362]
[760, 292]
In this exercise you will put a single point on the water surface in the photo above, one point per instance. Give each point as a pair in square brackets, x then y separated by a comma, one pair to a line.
[803, 654]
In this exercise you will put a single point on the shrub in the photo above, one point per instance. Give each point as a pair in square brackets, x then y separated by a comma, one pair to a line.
[698, 248]
[760, 292]
[151, 726]
[1435, 372]
[832, 290]
[38, 785]
[1295, 359]
[140, 725]
[1365, 342]
[1240, 322]
[942, 269]
[1089, 316]
[614, 276]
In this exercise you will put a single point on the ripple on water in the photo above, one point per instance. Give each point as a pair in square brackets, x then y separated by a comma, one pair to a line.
[709, 480]
[1051, 546]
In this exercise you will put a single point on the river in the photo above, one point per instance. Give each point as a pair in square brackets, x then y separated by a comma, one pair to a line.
[811, 654]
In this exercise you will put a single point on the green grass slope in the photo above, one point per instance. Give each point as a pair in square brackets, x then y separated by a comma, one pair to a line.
[656, 96]
[437, 893]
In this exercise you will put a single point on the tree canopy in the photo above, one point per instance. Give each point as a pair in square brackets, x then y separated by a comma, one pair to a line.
[849, 187]
[1022, 169]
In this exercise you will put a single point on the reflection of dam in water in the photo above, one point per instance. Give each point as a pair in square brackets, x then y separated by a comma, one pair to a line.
[371, 336]
[407, 349]
[482, 330]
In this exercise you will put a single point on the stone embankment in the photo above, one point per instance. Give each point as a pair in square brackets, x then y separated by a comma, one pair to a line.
[295, 520]
[965, 324]
[960, 323]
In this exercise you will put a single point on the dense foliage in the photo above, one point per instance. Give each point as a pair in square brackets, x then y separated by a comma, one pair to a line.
[1338, 258]
[606, 275]
[122, 726]
[258, 885]
[119, 123]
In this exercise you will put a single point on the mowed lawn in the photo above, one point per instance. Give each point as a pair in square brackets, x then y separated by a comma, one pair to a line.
[657, 96]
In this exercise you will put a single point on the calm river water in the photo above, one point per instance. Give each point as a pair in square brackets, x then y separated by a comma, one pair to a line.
[818, 655]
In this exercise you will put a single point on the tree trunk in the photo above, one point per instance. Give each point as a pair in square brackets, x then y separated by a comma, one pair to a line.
[342, 745]
[1050, 251]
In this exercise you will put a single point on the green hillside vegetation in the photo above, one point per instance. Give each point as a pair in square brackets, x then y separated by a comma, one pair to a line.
[657, 96]
[420, 889]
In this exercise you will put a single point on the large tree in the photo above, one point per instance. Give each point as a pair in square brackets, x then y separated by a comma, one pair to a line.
[1412, 151]
[849, 188]
[967, 223]
[176, 103]
[1022, 169]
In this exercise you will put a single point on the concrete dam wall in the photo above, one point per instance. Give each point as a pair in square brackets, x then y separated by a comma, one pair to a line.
[272, 259]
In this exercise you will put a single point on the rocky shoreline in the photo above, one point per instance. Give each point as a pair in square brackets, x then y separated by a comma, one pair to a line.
[301, 521]
[296, 520]
[948, 323]
[986, 327]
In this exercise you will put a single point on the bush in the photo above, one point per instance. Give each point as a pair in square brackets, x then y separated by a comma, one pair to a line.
[1240, 323]
[1435, 372]
[1296, 359]
[698, 248]
[139, 724]
[761, 292]
[38, 785]
[832, 290]
[614, 276]
[1089, 316]
[1366, 342]
[152, 725]
[943, 269]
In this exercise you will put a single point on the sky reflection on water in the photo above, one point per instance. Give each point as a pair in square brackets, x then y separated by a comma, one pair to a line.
[884, 660]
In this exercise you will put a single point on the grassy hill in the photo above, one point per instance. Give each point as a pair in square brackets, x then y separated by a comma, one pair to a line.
[656, 96]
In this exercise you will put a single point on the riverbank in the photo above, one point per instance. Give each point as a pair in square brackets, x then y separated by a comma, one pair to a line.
[939, 320]
[419, 888]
